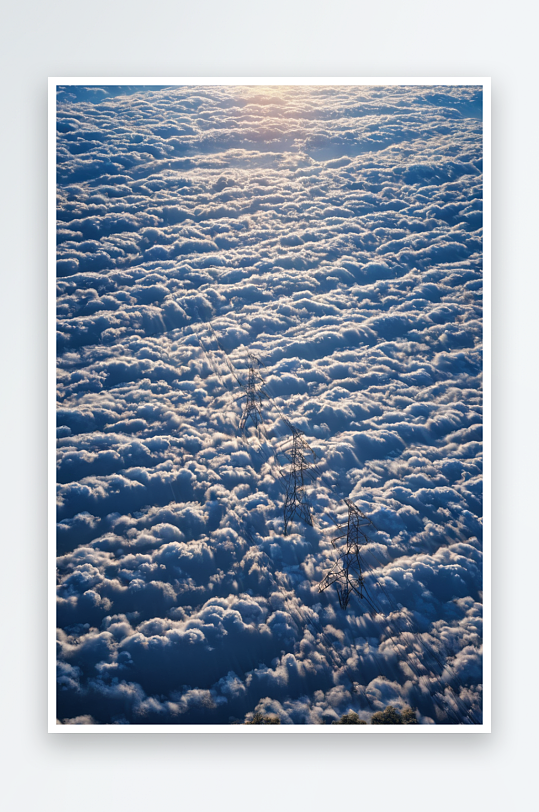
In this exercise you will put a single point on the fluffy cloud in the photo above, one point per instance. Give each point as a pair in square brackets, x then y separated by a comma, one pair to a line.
[335, 233]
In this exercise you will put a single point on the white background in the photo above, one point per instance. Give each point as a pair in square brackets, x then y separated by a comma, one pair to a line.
[211, 38]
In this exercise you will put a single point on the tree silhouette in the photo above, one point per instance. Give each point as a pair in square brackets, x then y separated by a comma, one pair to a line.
[260, 719]
[350, 718]
[391, 716]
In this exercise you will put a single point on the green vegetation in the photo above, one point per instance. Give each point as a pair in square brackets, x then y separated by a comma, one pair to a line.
[350, 718]
[260, 719]
[389, 716]
[409, 717]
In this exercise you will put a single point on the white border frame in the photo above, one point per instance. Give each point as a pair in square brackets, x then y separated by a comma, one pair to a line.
[483, 82]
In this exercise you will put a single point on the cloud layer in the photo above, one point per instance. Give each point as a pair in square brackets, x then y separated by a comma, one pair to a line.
[335, 233]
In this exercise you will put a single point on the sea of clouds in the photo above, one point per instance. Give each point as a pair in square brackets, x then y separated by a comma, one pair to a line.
[336, 234]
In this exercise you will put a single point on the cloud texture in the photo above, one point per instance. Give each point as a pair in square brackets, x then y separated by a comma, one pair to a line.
[337, 234]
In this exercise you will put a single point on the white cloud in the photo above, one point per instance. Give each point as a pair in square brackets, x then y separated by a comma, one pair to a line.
[336, 233]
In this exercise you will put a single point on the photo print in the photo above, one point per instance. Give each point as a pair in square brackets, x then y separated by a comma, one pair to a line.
[269, 405]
